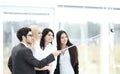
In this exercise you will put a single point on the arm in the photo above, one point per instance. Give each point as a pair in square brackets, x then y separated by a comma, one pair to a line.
[28, 57]
[76, 68]
[10, 63]
[44, 68]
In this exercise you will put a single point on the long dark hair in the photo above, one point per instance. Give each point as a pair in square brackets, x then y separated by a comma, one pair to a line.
[73, 50]
[44, 33]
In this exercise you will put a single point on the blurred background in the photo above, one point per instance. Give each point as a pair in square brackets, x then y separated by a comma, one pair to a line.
[94, 25]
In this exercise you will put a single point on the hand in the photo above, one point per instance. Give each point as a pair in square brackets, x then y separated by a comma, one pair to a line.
[56, 53]
[48, 68]
[44, 68]
[63, 51]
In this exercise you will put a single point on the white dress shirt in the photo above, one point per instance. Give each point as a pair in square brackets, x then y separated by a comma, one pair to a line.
[40, 54]
[65, 64]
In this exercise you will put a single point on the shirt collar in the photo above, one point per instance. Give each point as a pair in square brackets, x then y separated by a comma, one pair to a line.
[24, 44]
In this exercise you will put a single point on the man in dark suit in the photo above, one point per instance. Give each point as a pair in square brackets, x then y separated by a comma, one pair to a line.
[21, 60]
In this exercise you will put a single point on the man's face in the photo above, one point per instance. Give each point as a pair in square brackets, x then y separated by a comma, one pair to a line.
[29, 38]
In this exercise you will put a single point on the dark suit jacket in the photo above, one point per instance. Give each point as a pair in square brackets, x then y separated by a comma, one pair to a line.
[22, 61]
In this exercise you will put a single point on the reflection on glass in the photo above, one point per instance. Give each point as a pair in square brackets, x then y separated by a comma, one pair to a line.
[115, 48]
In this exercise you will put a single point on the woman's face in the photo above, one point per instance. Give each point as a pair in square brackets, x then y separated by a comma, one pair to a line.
[39, 34]
[64, 39]
[49, 37]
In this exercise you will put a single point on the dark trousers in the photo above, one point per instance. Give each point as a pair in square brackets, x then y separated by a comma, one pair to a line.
[42, 72]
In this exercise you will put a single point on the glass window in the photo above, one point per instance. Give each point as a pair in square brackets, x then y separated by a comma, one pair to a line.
[17, 17]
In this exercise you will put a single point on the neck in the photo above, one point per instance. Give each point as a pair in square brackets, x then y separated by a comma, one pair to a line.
[23, 42]
[46, 43]
[64, 46]
[26, 44]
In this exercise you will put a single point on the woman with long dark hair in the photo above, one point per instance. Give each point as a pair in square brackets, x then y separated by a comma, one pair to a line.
[47, 47]
[37, 51]
[67, 63]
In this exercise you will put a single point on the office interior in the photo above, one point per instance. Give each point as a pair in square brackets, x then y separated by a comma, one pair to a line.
[93, 25]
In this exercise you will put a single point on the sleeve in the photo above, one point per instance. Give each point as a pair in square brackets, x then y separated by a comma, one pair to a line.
[76, 68]
[29, 58]
[53, 65]
[10, 63]
[57, 67]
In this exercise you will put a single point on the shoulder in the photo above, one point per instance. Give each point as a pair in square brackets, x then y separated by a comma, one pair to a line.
[73, 47]
[24, 49]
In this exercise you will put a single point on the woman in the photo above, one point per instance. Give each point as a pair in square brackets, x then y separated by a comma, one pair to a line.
[37, 51]
[67, 63]
[37, 34]
[47, 47]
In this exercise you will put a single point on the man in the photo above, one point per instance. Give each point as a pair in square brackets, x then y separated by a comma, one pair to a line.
[21, 60]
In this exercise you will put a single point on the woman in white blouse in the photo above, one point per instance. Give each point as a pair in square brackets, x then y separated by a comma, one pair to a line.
[37, 51]
[47, 47]
[67, 63]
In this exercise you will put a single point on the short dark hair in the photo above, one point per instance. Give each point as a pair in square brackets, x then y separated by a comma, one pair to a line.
[22, 32]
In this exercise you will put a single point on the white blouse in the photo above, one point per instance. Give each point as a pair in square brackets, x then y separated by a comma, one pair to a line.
[65, 64]
[40, 54]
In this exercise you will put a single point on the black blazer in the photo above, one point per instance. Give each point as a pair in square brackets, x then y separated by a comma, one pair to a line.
[22, 61]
